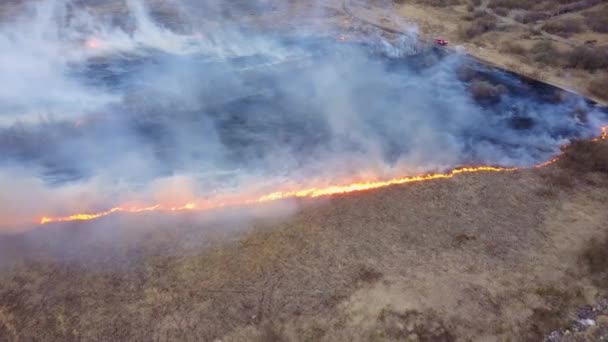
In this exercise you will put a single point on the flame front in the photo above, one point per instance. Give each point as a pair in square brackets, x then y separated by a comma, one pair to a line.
[305, 193]
[275, 196]
[341, 189]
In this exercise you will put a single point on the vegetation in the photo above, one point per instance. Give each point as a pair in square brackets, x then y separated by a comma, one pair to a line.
[442, 3]
[588, 58]
[583, 156]
[465, 73]
[512, 4]
[595, 258]
[482, 22]
[435, 3]
[501, 11]
[564, 27]
[484, 91]
[545, 52]
[599, 87]
[531, 17]
[598, 20]
[513, 48]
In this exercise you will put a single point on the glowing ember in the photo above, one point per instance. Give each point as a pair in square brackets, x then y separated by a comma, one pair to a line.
[306, 193]
[92, 43]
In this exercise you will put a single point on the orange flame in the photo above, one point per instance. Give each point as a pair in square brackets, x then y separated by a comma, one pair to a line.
[603, 135]
[305, 193]
[341, 189]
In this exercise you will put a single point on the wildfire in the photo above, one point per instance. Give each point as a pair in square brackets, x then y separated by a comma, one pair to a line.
[305, 193]
[603, 135]
[341, 189]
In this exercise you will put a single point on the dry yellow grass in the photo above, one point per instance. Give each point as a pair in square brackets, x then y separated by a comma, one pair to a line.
[477, 257]
[490, 257]
[455, 19]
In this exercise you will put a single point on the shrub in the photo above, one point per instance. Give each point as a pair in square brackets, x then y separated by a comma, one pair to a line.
[544, 52]
[484, 91]
[512, 4]
[598, 21]
[440, 3]
[531, 17]
[521, 122]
[564, 28]
[512, 48]
[477, 14]
[482, 24]
[501, 11]
[599, 87]
[535, 31]
[465, 73]
[560, 180]
[596, 259]
[467, 17]
[583, 156]
[588, 58]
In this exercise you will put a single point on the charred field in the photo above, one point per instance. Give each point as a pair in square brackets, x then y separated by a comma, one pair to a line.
[171, 180]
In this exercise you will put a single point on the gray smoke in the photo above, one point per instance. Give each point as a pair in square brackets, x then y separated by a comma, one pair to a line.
[104, 110]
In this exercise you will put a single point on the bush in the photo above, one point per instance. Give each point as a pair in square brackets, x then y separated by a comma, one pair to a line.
[544, 52]
[588, 58]
[501, 11]
[482, 24]
[564, 28]
[531, 17]
[440, 3]
[479, 14]
[513, 48]
[535, 31]
[599, 87]
[596, 259]
[598, 21]
[465, 73]
[484, 91]
[512, 4]
[557, 180]
[583, 156]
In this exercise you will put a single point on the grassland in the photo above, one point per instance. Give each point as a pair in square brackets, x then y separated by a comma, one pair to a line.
[478, 257]
[491, 257]
[563, 42]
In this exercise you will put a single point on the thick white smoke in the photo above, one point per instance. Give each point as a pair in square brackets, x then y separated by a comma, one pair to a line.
[97, 112]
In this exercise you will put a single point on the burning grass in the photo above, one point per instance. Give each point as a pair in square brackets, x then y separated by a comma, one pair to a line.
[329, 273]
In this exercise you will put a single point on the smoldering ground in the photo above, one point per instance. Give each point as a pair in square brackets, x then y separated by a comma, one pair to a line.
[98, 112]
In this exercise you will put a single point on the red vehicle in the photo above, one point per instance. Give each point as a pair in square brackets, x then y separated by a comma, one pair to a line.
[441, 42]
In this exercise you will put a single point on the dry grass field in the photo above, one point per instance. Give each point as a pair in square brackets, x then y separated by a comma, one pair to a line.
[562, 42]
[514, 256]
[508, 256]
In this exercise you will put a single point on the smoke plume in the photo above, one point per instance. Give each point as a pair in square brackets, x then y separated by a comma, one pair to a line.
[146, 108]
